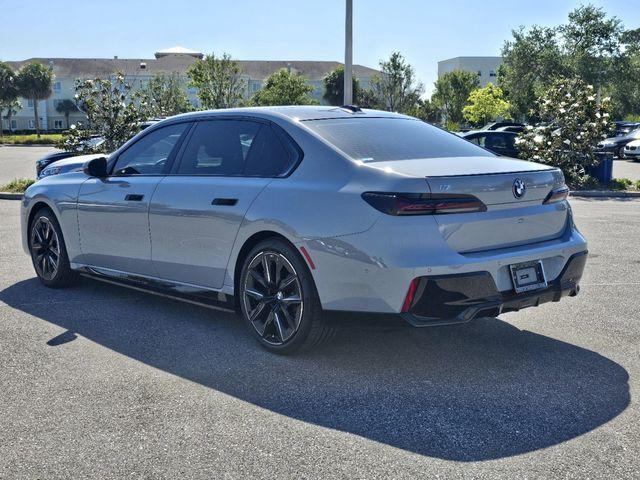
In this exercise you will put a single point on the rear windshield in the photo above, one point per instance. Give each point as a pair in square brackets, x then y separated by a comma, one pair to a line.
[384, 139]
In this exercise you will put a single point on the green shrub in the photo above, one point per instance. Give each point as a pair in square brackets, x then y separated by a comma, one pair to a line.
[637, 185]
[586, 182]
[18, 185]
[31, 139]
[451, 126]
[620, 183]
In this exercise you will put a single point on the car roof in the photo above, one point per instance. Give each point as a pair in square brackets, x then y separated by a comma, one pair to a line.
[486, 133]
[295, 113]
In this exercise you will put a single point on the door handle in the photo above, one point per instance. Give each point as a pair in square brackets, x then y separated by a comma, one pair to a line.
[228, 202]
[134, 197]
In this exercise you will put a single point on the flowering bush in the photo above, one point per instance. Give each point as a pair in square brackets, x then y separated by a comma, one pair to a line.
[114, 113]
[574, 124]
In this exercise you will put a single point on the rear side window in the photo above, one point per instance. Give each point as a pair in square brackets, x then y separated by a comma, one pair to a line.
[268, 157]
[218, 147]
[385, 139]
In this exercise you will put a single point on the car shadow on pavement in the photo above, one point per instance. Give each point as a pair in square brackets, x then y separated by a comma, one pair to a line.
[479, 391]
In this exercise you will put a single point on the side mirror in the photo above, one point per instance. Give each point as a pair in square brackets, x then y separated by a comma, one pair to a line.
[96, 167]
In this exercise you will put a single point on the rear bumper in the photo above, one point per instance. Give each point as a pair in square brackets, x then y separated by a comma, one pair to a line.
[459, 298]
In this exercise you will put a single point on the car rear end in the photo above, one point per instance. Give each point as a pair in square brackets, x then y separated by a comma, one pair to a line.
[478, 235]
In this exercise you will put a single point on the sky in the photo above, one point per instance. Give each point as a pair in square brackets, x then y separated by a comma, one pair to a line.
[423, 31]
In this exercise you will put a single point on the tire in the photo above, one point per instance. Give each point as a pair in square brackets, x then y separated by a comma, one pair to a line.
[267, 300]
[620, 153]
[49, 252]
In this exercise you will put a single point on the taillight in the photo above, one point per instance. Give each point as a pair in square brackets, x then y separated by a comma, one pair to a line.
[422, 204]
[411, 293]
[557, 195]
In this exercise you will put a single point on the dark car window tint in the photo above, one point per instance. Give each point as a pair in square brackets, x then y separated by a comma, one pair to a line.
[496, 141]
[384, 139]
[148, 155]
[218, 147]
[268, 157]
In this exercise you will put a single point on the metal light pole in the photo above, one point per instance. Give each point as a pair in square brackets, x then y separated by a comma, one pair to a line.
[348, 54]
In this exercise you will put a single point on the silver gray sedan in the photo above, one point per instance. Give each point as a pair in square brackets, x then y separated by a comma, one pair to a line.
[284, 214]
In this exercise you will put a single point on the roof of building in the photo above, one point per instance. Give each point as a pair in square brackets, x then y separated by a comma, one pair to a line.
[178, 50]
[254, 69]
[472, 57]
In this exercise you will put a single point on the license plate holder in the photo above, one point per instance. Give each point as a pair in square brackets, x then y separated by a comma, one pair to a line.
[528, 276]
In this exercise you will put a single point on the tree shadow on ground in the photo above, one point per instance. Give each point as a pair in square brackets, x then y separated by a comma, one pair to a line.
[479, 391]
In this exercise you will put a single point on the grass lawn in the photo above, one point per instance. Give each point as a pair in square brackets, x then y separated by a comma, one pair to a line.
[31, 139]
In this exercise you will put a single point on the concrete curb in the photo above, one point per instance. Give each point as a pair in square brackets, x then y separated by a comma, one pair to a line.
[10, 196]
[605, 194]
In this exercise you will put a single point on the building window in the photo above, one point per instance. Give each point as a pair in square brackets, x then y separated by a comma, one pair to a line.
[492, 73]
[32, 124]
[29, 103]
[56, 87]
[56, 103]
[57, 124]
[479, 73]
[14, 125]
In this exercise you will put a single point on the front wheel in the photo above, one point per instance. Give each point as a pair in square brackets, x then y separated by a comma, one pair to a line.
[48, 251]
[278, 299]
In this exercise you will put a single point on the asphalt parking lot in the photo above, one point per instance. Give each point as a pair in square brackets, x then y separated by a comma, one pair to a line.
[20, 162]
[100, 381]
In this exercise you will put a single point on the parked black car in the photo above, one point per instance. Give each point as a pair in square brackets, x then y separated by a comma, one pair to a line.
[616, 145]
[624, 127]
[500, 142]
[504, 126]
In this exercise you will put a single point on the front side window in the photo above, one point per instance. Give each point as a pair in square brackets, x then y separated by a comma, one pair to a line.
[148, 156]
[376, 139]
[218, 147]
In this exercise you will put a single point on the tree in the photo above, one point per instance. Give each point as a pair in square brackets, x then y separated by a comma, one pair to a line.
[66, 107]
[166, 94]
[486, 104]
[575, 123]
[531, 62]
[592, 44]
[424, 110]
[451, 93]
[11, 108]
[334, 87]
[591, 47]
[8, 92]
[396, 89]
[114, 112]
[218, 81]
[34, 82]
[284, 88]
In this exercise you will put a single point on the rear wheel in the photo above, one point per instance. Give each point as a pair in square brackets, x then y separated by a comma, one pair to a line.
[620, 153]
[48, 251]
[278, 299]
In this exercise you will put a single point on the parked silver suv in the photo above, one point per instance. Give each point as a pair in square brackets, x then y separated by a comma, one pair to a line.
[284, 213]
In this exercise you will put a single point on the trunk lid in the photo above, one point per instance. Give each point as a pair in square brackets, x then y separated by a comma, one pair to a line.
[511, 219]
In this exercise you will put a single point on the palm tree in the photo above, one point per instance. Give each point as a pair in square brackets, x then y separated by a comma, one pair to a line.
[8, 91]
[66, 107]
[34, 82]
[12, 107]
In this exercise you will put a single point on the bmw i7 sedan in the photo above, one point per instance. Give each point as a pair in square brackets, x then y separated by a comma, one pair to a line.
[285, 213]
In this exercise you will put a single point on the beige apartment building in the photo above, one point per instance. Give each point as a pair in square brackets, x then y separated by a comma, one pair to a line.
[139, 70]
[485, 67]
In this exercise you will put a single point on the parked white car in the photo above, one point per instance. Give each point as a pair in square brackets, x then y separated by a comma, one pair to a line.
[632, 150]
